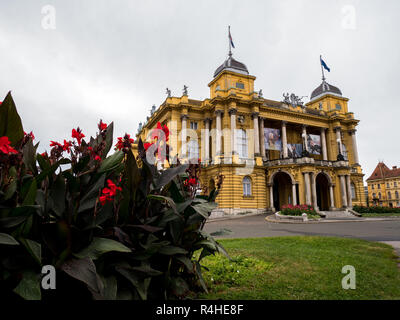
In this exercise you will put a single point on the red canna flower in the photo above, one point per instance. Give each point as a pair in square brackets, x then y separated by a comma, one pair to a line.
[78, 135]
[102, 126]
[109, 193]
[44, 154]
[30, 134]
[97, 158]
[124, 142]
[67, 146]
[147, 145]
[55, 144]
[5, 146]
[164, 128]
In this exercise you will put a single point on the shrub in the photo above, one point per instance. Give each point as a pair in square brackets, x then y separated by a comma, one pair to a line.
[113, 226]
[376, 209]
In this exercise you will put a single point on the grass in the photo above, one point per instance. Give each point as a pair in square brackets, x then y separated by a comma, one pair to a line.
[301, 268]
[368, 215]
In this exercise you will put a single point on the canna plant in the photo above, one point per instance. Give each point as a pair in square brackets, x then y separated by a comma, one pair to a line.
[112, 226]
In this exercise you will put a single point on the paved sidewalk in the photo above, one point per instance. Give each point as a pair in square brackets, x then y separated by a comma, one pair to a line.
[377, 229]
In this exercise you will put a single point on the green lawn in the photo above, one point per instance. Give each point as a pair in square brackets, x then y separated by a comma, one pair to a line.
[301, 268]
[368, 215]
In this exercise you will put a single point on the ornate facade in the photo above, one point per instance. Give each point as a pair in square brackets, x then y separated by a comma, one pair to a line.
[271, 153]
[384, 186]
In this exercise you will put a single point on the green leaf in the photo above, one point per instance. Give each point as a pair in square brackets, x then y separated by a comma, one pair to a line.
[147, 269]
[31, 195]
[163, 198]
[169, 174]
[200, 276]
[205, 208]
[100, 246]
[110, 287]
[171, 250]
[140, 285]
[89, 199]
[10, 190]
[83, 270]
[57, 193]
[109, 139]
[10, 222]
[8, 240]
[179, 287]
[29, 156]
[29, 287]
[186, 262]
[34, 248]
[10, 121]
[112, 162]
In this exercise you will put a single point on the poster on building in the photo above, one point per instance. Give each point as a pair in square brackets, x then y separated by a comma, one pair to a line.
[314, 143]
[272, 139]
[295, 150]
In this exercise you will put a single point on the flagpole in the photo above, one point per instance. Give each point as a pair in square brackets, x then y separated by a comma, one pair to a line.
[229, 40]
[322, 68]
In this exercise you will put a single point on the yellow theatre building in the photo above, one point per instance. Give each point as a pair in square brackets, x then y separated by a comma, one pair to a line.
[271, 153]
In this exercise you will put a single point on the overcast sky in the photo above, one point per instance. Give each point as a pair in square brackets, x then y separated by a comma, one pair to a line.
[114, 59]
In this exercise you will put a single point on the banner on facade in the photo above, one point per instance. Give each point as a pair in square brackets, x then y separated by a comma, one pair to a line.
[272, 139]
[314, 143]
[295, 150]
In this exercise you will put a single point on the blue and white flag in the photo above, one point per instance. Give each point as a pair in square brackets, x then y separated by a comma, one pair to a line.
[230, 38]
[324, 65]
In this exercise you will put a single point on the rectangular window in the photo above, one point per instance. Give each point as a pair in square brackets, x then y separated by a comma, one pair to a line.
[193, 125]
[239, 85]
[379, 185]
[373, 187]
[193, 150]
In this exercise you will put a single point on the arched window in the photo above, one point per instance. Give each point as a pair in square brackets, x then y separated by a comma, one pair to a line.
[379, 196]
[396, 194]
[246, 186]
[353, 191]
[374, 196]
[389, 195]
[241, 143]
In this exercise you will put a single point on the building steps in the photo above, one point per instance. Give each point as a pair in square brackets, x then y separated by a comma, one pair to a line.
[338, 214]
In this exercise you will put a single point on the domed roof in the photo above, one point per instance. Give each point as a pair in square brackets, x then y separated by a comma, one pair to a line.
[233, 65]
[324, 88]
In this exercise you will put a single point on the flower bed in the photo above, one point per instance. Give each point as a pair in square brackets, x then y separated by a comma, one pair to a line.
[291, 210]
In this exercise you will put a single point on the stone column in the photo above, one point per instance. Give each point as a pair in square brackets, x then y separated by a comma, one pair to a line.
[232, 113]
[304, 136]
[349, 197]
[314, 191]
[218, 142]
[307, 187]
[339, 140]
[294, 194]
[184, 135]
[284, 140]
[207, 138]
[331, 197]
[355, 150]
[271, 196]
[323, 144]
[256, 134]
[262, 139]
[343, 191]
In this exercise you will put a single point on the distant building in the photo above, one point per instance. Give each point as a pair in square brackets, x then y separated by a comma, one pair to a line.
[384, 186]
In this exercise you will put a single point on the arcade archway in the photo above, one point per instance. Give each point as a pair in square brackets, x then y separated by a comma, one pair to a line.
[322, 188]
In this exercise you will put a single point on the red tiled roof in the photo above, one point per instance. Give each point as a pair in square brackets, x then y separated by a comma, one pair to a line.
[382, 171]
